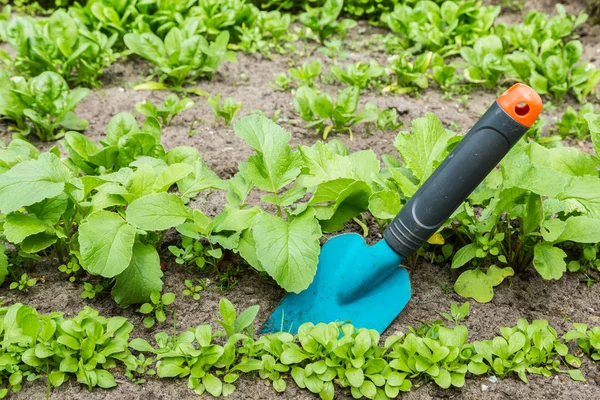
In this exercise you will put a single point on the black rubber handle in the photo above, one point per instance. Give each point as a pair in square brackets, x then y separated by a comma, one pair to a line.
[454, 180]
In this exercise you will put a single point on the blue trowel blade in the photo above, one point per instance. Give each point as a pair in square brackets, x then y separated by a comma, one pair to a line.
[355, 283]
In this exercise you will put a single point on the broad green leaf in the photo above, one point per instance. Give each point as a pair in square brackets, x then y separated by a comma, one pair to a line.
[246, 318]
[583, 193]
[106, 243]
[424, 149]
[170, 175]
[140, 278]
[549, 261]
[322, 164]
[120, 125]
[293, 355]
[157, 212]
[479, 285]
[201, 178]
[50, 210]
[17, 227]
[355, 376]
[336, 202]
[385, 204]
[581, 229]
[288, 251]
[275, 165]
[32, 181]
[213, 385]
[464, 255]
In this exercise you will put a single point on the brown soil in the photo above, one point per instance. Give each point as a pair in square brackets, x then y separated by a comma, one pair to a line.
[526, 295]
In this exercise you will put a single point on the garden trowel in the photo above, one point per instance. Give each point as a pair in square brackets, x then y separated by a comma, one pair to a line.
[365, 285]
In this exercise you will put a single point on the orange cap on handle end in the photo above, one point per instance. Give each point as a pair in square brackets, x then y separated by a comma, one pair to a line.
[522, 103]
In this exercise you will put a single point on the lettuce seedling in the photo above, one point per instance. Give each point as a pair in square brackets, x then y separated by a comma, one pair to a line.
[443, 28]
[323, 20]
[361, 75]
[181, 56]
[318, 108]
[43, 104]
[588, 340]
[573, 123]
[170, 107]
[225, 110]
[306, 74]
[60, 44]
[156, 309]
[486, 60]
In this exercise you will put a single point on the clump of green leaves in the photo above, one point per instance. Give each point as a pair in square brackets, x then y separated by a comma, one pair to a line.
[60, 44]
[182, 56]
[588, 340]
[361, 75]
[225, 110]
[156, 309]
[85, 347]
[194, 290]
[43, 105]
[442, 28]
[326, 114]
[323, 20]
[23, 284]
[170, 107]
[72, 269]
[573, 123]
[90, 290]
[457, 313]
[525, 348]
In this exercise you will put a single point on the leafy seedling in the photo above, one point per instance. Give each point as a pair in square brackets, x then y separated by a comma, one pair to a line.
[457, 313]
[194, 290]
[323, 20]
[23, 284]
[170, 107]
[157, 308]
[90, 291]
[226, 110]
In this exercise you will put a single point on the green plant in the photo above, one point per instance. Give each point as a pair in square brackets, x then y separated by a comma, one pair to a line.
[181, 56]
[156, 309]
[306, 74]
[194, 290]
[142, 368]
[24, 283]
[320, 108]
[282, 82]
[443, 28]
[533, 348]
[323, 20]
[411, 76]
[588, 340]
[573, 123]
[90, 291]
[59, 348]
[334, 49]
[516, 5]
[361, 75]
[60, 44]
[72, 269]
[170, 107]
[486, 60]
[43, 104]
[457, 313]
[225, 110]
